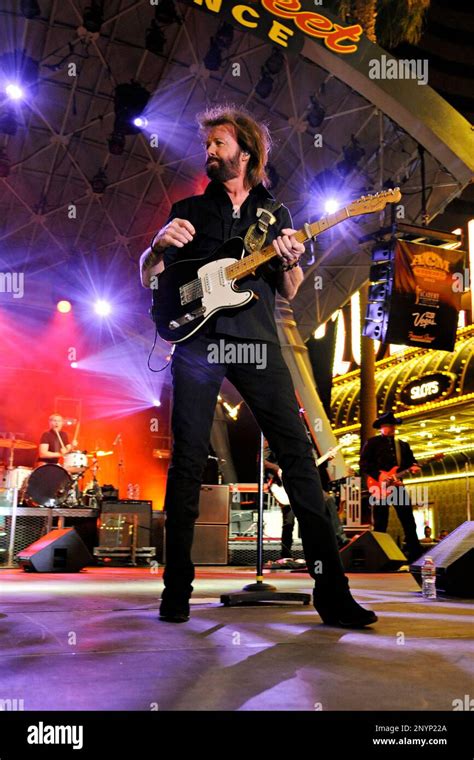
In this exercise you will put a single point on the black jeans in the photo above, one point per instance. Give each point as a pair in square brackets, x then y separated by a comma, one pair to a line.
[405, 515]
[270, 395]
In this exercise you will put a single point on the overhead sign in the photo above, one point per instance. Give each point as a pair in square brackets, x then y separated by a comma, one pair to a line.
[423, 304]
[286, 23]
[428, 387]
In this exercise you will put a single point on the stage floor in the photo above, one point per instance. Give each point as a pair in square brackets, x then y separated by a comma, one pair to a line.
[93, 641]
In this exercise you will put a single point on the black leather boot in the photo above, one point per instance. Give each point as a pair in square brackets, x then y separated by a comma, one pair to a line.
[341, 609]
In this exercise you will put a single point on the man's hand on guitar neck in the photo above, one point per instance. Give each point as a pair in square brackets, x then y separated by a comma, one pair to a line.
[177, 232]
[289, 250]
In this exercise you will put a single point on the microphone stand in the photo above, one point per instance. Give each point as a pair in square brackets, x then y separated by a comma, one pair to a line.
[259, 591]
[120, 464]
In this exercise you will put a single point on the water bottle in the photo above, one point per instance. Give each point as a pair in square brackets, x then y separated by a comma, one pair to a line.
[130, 491]
[428, 579]
[136, 491]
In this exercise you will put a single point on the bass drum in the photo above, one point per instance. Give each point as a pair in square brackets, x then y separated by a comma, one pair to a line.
[47, 486]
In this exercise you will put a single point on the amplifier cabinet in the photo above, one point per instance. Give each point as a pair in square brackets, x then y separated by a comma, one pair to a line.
[214, 504]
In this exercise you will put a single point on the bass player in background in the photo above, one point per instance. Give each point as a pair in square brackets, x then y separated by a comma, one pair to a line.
[380, 454]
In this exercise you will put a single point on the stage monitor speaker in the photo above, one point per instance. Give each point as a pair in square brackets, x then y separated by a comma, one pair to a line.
[210, 545]
[127, 508]
[454, 561]
[372, 552]
[59, 551]
[214, 505]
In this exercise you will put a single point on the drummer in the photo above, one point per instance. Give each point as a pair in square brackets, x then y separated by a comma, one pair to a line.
[54, 443]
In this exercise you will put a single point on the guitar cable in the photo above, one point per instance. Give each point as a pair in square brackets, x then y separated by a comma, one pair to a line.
[161, 369]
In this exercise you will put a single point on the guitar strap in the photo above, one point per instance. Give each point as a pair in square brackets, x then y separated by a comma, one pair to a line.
[398, 451]
[257, 232]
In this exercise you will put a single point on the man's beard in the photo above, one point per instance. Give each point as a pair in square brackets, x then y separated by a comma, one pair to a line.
[224, 168]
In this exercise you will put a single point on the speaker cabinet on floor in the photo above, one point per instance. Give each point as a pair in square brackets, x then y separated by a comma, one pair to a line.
[213, 505]
[454, 561]
[372, 552]
[210, 546]
[60, 551]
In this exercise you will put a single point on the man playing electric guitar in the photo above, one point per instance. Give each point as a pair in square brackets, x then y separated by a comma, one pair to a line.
[237, 149]
[379, 455]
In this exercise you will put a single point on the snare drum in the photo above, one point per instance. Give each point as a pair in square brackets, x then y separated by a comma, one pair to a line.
[47, 486]
[75, 462]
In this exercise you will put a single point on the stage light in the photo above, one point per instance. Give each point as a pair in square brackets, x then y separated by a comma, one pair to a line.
[4, 164]
[166, 13]
[64, 307]
[93, 16]
[155, 40]
[73, 365]
[330, 206]
[224, 36]
[130, 100]
[316, 113]
[141, 122]
[102, 308]
[264, 86]
[116, 143]
[14, 91]
[99, 182]
[222, 40]
[156, 402]
[353, 153]
[274, 64]
[213, 58]
[326, 184]
[30, 8]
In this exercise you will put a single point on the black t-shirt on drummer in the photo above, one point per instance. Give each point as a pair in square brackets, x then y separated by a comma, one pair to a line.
[51, 438]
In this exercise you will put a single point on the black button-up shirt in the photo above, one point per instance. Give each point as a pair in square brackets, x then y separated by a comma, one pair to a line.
[379, 453]
[215, 222]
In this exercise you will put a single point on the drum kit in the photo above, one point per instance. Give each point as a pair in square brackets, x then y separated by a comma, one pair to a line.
[54, 485]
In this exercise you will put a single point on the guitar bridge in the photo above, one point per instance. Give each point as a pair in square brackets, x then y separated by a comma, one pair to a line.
[188, 317]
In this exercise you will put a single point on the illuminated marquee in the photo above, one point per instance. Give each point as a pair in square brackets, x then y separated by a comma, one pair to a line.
[428, 387]
[337, 38]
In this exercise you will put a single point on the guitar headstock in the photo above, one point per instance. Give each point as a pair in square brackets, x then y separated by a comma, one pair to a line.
[348, 439]
[367, 204]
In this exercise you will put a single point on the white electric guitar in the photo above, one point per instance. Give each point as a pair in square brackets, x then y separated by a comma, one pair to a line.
[189, 291]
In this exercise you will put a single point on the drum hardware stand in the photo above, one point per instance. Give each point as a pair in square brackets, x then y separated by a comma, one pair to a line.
[95, 490]
[120, 464]
[260, 591]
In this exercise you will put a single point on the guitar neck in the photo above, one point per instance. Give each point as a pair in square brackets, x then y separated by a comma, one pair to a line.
[250, 263]
[328, 453]
[420, 464]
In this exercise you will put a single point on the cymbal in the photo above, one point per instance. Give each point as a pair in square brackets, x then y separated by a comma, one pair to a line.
[100, 453]
[12, 443]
